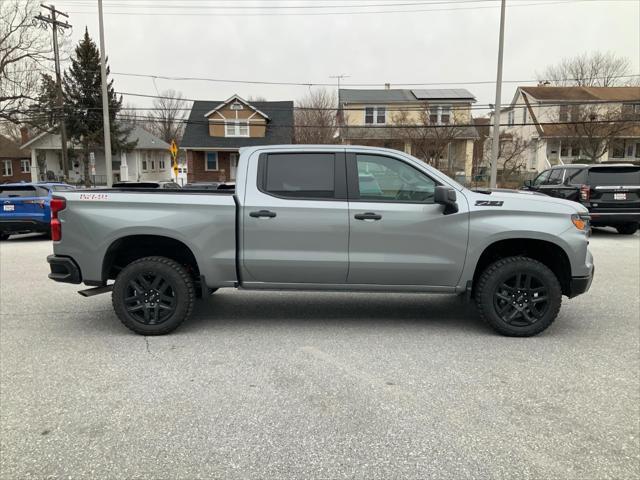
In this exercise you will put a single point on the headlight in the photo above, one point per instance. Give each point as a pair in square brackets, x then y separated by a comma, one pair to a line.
[581, 221]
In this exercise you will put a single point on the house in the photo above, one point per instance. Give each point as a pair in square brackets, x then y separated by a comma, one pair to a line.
[410, 120]
[216, 130]
[149, 160]
[573, 124]
[15, 163]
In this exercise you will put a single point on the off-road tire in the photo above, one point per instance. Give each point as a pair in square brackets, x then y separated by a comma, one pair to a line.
[627, 228]
[494, 276]
[181, 285]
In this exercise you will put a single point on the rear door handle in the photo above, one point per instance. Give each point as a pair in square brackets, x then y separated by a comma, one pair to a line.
[367, 216]
[262, 213]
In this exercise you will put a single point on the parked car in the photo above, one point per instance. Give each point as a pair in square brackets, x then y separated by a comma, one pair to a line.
[303, 218]
[163, 184]
[611, 192]
[25, 207]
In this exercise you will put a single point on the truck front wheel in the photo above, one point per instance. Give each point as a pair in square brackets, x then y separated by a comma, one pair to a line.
[153, 295]
[518, 296]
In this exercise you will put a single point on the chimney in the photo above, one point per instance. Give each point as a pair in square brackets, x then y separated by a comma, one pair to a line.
[24, 135]
[387, 86]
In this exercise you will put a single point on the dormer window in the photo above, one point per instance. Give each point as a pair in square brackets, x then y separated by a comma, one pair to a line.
[236, 128]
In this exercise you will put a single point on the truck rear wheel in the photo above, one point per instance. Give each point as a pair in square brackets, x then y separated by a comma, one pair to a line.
[627, 228]
[518, 296]
[153, 295]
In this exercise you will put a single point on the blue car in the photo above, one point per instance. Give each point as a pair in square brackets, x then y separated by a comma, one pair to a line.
[25, 207]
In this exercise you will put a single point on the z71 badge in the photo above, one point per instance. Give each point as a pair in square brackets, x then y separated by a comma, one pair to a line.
[489, 203]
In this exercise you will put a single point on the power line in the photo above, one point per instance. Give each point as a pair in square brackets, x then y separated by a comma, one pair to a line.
[336, 13]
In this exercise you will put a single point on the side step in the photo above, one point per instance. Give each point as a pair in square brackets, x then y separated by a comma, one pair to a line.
[90, 292]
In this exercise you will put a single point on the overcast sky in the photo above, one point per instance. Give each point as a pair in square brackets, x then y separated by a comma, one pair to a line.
[415, 47]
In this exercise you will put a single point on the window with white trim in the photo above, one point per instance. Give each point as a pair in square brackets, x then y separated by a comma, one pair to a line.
[145, 162]
[524, 115]
[238, 128]
[25, 166]
[7, 168]
[510, 118]
[211, 161]
[375, 115]
[161, 164]
[440, 114]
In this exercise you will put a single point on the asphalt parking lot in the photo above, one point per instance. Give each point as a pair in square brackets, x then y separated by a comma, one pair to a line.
[318, 385]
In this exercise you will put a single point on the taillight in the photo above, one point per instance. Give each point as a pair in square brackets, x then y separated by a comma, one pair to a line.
[585, 193]
[57, 204]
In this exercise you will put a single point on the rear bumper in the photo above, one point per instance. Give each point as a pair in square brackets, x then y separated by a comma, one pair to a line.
[64, 269]
[613, 218]
[580, 285]
[15, 225]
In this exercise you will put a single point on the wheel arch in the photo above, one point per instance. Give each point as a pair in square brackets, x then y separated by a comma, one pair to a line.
[546, 252]
[124, 250]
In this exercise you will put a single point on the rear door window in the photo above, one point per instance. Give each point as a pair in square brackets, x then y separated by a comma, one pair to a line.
[614, 176]
[299, 175]
[575, 176]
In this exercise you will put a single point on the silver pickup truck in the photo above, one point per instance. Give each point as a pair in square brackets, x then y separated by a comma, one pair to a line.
[324, 218]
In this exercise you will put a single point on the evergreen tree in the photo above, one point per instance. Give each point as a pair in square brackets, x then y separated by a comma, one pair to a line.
[83, 104]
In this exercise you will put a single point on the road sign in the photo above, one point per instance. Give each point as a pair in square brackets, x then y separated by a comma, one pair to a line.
[174, 150]
[175, 168]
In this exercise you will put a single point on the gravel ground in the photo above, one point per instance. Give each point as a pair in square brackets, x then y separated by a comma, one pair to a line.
[318, 385]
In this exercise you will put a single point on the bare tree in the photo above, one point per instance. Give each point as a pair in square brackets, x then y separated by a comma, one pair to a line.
[315, 118]
[24, 50]
[131, 115]
[256, 98]
[430, 140]
[595, 69]
[167, 118]
[512, 155]
[593, 129]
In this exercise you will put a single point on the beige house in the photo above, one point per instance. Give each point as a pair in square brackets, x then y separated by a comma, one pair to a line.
[554, 123]
[434, 124]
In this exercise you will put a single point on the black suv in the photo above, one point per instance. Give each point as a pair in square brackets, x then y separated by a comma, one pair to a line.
[610, 192]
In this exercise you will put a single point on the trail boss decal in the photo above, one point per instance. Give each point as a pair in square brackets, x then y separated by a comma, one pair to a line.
[489, 203]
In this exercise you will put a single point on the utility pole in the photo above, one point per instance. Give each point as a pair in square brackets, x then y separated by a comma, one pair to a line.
[495, 143]
[339, 114]
[57, 25]
[105, 102]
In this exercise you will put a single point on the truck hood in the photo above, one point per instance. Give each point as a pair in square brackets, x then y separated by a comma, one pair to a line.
[515, 197]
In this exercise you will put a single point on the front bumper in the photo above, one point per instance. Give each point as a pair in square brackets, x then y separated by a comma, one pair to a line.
[64, 269]
[580, 285]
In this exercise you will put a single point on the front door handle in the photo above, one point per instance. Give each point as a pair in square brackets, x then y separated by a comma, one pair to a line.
[367, 216]
[262, 213]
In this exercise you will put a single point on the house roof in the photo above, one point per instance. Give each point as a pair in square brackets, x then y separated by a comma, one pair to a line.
[348, 95]
[10, 149]
[382, 133]
[279, 128]
[239, 99]
[620, 94]
[146, 140]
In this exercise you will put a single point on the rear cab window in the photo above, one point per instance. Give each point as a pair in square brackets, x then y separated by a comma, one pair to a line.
[302, 175]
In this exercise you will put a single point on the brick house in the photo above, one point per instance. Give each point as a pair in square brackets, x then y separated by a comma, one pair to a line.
[217, 130]
[15, 163]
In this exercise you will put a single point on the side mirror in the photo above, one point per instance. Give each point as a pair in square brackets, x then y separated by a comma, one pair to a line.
[446, 196]
[528, 183]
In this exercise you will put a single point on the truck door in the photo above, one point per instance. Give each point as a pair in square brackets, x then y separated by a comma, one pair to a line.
[398, 235]
[295, 219]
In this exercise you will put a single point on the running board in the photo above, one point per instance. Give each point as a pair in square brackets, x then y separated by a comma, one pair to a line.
[90, 292]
